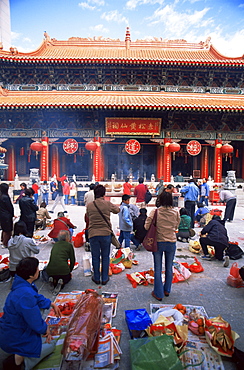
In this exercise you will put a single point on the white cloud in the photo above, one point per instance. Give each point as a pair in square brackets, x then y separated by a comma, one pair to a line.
[132, 4]
[241, 5]
[91, 4]
[228, 45]
[178, 23]
[114, 16]
[15, 35]
[27, 39]
[99, 28]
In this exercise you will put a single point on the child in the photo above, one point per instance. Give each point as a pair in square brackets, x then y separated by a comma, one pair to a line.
[184, 226]
[125, 221]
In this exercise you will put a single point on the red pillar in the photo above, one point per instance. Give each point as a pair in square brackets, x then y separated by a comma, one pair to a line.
[167, 161]
[45, 159]
[218, 161]
[97, 160]
[160, 156]
[204, 166]
[55, 161]
[10, 160]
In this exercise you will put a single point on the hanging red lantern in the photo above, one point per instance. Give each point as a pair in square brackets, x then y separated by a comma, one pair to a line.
[174, 147]
[36, 146]
[237, 153]
[22, 151]
[92, 146]
[227, 149]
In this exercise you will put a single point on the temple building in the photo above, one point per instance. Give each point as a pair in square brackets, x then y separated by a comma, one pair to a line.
[103, 107]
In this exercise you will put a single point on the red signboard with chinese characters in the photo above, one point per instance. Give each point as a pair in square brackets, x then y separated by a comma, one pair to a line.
[193, 147]
[132, 147]
[133, 126]
[70, 146]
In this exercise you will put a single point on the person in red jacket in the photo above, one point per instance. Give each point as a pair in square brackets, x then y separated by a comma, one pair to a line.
[140, 192]
[127, 187]
[61, 223]
[35, 187]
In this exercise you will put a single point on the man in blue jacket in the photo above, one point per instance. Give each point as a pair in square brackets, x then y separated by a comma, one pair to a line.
[204, 192]
[22, 326]
[191, 193]
[125, 221]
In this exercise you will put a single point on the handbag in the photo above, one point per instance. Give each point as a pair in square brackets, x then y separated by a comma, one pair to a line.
[114, 240]
[150, 240]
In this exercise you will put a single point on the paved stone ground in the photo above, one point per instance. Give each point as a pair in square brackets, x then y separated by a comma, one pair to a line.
[208, 289]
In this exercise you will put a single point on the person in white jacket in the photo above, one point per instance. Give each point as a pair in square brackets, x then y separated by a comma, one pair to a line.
[20, 246]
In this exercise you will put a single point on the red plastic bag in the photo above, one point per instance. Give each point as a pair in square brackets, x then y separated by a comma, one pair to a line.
[195, 266]
[79, 239]
[234, 279]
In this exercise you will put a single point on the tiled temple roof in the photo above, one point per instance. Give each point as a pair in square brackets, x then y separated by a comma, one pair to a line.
[121, 100]
[100, 50]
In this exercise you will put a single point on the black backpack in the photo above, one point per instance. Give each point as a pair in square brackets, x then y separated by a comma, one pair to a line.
[148, 196]
[234, 251]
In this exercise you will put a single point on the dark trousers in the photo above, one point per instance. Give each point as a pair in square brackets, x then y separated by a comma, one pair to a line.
[230, 209]
[190, 206]
[219, 247]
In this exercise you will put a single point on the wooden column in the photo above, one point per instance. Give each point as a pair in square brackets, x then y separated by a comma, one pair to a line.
[160, 162]
[45, 160]
[97, 160]
[10, 160]
[55, 161]
[204, 161]
[218, 161]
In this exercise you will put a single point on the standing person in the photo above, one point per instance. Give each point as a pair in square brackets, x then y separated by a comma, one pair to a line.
[45, 191]
[159, 187]
[53, 189]
[41, 216]
[168, 219]
[20, 246]
[204, 192]
[140, 192]
[125, 221]
[99, 233]
[61, 223]
[35, 187]
[139, 229]
[58, 268]
[28, 336]
[215, 234]
[59, 198]
[127, 187]
[6, 214]
[72, 192]
[229, 199]
[28, 210]
[66, 190]
[22, 192]
[89, 195]
[191, 192]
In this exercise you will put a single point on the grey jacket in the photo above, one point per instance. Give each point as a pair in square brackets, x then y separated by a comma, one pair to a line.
[20, 247]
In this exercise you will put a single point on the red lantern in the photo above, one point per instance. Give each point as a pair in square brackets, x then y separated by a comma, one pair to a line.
[227, 149]
[92, 146]
[174, 147]
[22, 151]
[36, 146]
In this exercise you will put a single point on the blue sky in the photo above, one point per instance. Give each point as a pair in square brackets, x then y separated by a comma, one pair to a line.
[191, 20]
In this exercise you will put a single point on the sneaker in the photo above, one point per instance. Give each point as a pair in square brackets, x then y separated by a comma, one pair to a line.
[139, 247]
[58, 287]
[206, 257]
[50, 284]
[226, 261]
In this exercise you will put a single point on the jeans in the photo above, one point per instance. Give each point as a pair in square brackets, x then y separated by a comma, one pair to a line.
[168, 248]
[45, 198]
[72, 199]
[135, 241]
[36, 198]
[66, 199]
[204, 199]
[47, 349]
[124, 235]
[100, 246]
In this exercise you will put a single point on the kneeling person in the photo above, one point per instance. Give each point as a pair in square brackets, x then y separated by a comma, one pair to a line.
[58, 269]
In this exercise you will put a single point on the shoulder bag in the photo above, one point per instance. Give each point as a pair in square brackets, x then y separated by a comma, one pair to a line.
[114, 240]
[150, 240]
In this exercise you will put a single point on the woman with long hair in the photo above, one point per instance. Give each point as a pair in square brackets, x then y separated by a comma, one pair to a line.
[6, 214]
[168, 219]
